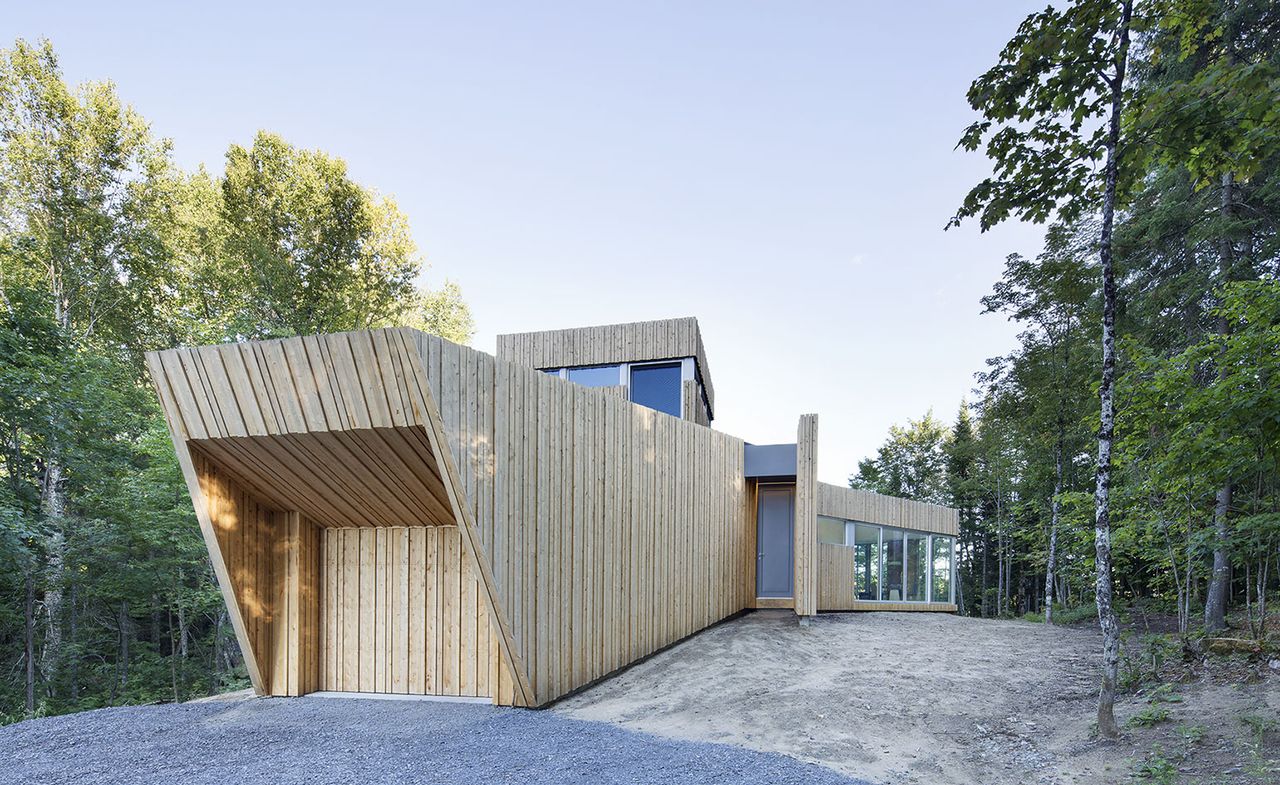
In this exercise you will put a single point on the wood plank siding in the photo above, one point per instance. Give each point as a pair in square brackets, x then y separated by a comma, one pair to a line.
[343, 431]
[806, 516]
[856, 505]
[617, 343]
[587, 531]
[402, 615]
[616, 530]
[246, 534]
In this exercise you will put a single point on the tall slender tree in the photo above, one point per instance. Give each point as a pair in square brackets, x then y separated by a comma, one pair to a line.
[1052, 108]
[1051, 296]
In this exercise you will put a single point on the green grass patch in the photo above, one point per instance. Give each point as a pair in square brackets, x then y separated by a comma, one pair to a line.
[1259, 724]
[1191, 735]
[1156, 768]
[1151, 715]
[1165, 693]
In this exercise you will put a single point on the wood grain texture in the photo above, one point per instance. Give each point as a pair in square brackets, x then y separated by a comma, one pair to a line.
[653, 503]
[695, 408]
[420, 598]
[612, 343]
[247, 535]
[806, 512]
[856, 505]
[596, 531]
[297, 563]
[341, 429]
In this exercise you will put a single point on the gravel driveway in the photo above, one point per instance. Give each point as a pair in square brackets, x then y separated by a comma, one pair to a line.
[324, 740]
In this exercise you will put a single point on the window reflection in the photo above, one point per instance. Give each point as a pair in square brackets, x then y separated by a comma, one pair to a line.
[866, 561]
[891, 572]
[916, 567]
[942, 549]
[595, 376]
[830, 530]
[657, 386]
[894, 565]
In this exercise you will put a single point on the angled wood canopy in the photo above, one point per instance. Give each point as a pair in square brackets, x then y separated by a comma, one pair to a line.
[340, 429]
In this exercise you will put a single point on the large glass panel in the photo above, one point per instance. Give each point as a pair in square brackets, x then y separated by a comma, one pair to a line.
[657, 386]
[917, 566]
[942, 547]
[866, 561]
[595, 376]
[891, 558]
[830, 530]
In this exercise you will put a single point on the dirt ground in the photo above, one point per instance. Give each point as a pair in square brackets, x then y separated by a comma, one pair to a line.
[926, 698]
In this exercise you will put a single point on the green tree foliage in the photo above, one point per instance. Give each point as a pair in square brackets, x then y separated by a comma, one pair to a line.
[1097, 106]
[1194, 260]
[108, 250]
[321, 253]
[910, 463]
[1052, 109]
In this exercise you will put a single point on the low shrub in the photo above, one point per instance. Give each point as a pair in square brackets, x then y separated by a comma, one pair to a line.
[1152, 715]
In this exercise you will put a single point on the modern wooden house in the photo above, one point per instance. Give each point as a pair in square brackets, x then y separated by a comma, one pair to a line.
[390, 512]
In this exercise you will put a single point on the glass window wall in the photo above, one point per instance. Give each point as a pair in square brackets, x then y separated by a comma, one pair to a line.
[893, 565]
[941, 568]
[866, 562]
[916, 567]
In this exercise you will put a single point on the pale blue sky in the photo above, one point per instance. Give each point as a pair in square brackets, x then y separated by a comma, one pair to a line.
[781, 170]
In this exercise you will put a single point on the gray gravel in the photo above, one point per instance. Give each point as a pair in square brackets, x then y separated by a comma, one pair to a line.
[318, 740]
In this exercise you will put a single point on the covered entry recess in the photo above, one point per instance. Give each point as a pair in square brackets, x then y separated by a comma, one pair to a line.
[775, 541]
[334, 517]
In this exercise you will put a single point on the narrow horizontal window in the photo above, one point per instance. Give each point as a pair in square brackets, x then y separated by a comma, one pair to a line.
[595, 376]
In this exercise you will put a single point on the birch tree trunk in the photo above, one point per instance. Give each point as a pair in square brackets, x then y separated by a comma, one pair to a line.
[53, 505]
[1215, 601]
[1106, 431]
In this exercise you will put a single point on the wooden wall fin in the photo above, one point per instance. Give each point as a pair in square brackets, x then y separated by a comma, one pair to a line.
[806, 511]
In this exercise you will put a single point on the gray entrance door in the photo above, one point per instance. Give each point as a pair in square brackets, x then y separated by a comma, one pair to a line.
[775, 517]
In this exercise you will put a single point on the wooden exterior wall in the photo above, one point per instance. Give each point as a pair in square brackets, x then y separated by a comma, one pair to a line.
[613, 530]
[695, 409]
[296, 655]
[402, 614]
[857, 505]
[806, 523]
[592, 531]
[340, 430]
[247, 535]
[612, 343]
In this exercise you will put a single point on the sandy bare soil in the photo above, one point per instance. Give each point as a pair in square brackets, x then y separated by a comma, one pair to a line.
[906, 698]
